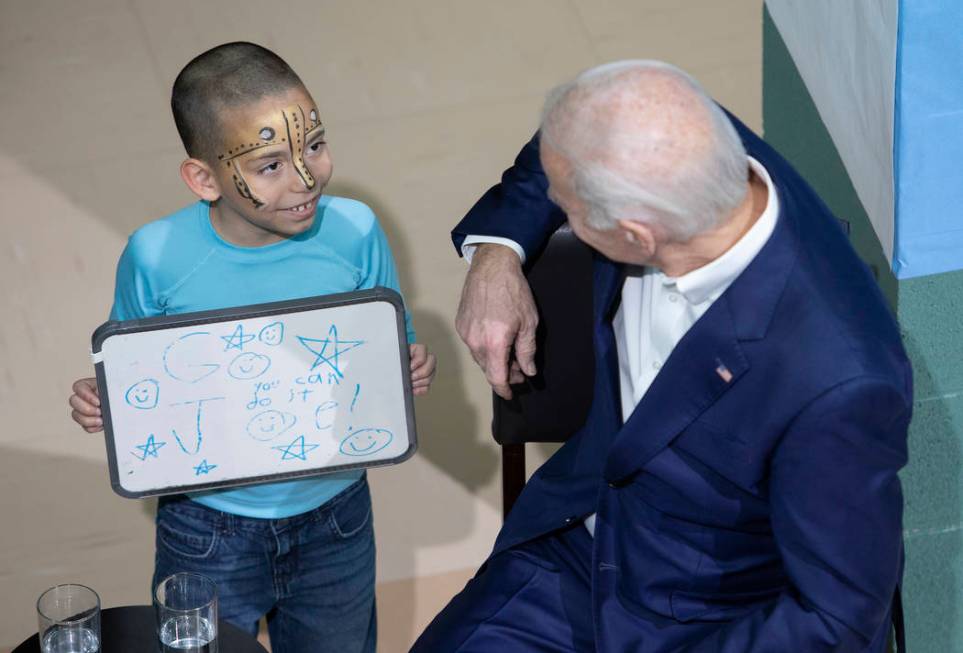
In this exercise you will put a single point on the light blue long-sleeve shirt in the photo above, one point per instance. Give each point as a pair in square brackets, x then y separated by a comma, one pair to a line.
[180, 264]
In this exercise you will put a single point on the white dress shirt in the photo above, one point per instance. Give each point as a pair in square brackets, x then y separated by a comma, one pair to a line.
[656, 310]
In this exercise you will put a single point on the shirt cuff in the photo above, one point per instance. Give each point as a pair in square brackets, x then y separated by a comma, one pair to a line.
[471, 242]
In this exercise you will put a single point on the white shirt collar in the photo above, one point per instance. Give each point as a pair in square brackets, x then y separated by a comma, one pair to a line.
[711, 280]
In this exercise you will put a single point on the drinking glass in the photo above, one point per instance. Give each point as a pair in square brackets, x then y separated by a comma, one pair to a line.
[186, 608]
[69, 618]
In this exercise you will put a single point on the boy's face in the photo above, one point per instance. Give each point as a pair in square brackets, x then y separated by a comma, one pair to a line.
[272, 168]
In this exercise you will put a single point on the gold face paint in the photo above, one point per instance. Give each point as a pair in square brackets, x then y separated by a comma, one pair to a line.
[291, 126]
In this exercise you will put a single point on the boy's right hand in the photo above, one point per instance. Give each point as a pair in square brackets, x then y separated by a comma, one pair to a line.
[85, 402]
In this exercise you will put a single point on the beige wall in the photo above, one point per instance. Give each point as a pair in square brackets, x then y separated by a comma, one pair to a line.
[425, 103]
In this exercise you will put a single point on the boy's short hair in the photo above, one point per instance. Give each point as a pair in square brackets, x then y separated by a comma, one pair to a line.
[223, 77]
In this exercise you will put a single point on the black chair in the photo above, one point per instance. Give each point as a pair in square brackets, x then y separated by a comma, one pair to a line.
[553, 404]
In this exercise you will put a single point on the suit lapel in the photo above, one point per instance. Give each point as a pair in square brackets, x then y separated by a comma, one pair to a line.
[703, 366]
[709, 359]
[607, 411]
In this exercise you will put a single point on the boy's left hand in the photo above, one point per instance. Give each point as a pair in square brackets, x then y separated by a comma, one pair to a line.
[422, 368]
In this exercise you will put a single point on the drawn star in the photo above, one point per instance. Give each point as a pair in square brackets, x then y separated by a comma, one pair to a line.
[326, 355]
[203, 468]
[238, 339]
[149, 448]
[297, 449]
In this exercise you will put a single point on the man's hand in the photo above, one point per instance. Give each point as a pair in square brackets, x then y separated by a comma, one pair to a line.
[497, 317]
[85, 402]
[422, 368]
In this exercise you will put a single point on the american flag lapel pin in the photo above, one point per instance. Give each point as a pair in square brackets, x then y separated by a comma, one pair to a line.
[723, 371]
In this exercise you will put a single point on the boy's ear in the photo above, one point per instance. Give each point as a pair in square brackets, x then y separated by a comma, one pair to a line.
[640, 234]
[200, 179]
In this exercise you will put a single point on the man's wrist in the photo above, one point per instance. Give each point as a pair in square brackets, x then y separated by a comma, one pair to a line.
[470, 244]
[495, 254]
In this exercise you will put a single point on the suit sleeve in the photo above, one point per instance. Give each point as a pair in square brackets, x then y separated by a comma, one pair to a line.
[837, 519]
[517, 209]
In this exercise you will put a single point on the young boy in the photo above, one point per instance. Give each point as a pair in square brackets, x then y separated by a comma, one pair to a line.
[300, 551]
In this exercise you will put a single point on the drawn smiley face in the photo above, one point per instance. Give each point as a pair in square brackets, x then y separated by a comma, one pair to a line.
[143, 395]
[270, 424]
[365, 442]
[248, 366]
[272, 334]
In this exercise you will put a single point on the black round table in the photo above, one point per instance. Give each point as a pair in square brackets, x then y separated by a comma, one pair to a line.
[132, 629]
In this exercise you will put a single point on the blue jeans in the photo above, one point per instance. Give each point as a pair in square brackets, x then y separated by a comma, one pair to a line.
[311, 574]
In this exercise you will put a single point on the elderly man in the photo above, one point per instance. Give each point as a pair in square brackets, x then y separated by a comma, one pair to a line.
[735, 486]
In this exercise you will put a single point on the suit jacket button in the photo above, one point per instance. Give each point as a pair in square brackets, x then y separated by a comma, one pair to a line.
[569, 520]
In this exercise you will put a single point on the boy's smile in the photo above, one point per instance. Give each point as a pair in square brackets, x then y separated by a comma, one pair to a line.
[272, 170]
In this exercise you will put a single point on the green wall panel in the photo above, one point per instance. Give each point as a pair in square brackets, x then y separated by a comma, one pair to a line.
[792, 125]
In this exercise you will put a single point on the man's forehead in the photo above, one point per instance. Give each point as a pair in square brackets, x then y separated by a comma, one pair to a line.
[556, 164]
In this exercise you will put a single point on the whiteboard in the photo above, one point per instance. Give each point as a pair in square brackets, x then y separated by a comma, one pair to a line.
[255, 394]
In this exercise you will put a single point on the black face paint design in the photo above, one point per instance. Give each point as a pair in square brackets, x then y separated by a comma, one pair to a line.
[295, 129]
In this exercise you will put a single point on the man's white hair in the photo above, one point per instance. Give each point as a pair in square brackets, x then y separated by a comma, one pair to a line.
[647, 143]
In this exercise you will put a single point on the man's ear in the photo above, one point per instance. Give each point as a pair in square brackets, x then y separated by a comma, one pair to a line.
[640, 234]
[200, 179]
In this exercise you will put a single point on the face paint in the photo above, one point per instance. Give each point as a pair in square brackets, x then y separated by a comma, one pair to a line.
[291, 126]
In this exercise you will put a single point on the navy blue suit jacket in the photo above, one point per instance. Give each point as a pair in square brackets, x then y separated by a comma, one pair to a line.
[756, 513]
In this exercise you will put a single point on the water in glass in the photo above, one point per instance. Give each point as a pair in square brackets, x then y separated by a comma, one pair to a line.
[70, 640]
[187, 635]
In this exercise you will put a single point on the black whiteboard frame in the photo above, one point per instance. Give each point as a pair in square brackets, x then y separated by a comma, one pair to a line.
[116, 328]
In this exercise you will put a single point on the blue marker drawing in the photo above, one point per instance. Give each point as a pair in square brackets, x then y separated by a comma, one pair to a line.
[272, 334]
[297, 449]
[203, 468]
[238, 339]
[259, 400]
[270, 424]
[149, 448]
[249, 366]
[199, 437]
[180, 443]
[357, 389]
[302, 393]
[326, 355]
[365, 442]
[143, 394]
[326, 407]
[180, 349]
